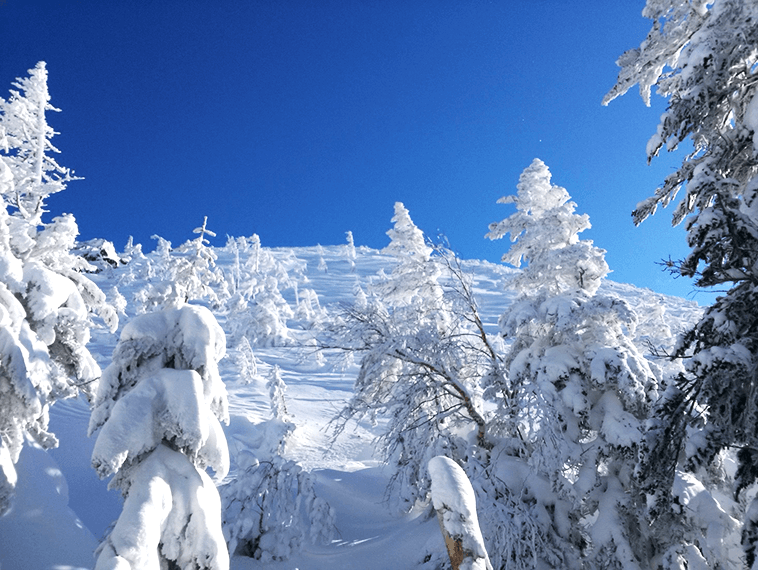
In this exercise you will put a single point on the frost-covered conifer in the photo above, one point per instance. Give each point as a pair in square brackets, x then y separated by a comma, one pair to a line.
[702, 56]
[157, 416]
[258, 310]
[544, 231]
[579, 388]
[309, 311]
[271, 508]
[248, 368]
[405, 238]
[187, 273]
[350, 253]
[415, 278]
[322, 266]
[198, 275]
[36, 175]
[45, 300]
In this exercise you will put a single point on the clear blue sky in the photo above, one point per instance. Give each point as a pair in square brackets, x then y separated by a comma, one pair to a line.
[301, 119]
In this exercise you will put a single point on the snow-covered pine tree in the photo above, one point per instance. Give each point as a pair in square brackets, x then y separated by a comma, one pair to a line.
[544, 233]
[405, 238]
[245, 360]
[187, 273]
[45, 300]
[158, 269]
[581, 390]
[702, 56]
[350, 252]
[415, 277]
[157, 416]
[322, 266]
[270, 507]
[27, 145]
[198, 274]
[258, 310]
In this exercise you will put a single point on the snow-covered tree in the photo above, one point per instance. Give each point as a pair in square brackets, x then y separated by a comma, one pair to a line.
[702, 56]
[46, 303]
[157, 416]
[270, 507]
[322, 266]
[187, 273]
[245, 360]
[415, 277]
[350, 252]
[579, 387]
[405, 238]
[28, 147]
[544, 231]
[422, 365]
[258, 310]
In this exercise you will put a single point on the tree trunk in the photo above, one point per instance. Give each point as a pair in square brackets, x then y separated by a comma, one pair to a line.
[454, 545]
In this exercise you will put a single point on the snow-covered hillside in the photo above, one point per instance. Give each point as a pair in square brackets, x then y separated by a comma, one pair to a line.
[62, 510]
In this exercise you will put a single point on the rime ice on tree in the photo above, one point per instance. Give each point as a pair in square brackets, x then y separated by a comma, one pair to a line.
[544, 231]
[702, 57]
[270, 507]
[45, 300]
[580, 389]
[423, 355]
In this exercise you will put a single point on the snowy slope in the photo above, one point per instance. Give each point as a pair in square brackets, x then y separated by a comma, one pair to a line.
[62, 510]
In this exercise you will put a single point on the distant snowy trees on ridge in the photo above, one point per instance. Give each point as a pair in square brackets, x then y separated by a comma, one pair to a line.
[582, 452]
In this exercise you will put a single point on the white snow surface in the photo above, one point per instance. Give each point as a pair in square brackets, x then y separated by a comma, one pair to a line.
[62, 510]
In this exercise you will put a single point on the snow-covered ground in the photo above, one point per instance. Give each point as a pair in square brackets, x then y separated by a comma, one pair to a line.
[62, 510]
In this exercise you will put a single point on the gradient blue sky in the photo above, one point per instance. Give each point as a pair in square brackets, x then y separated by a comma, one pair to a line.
[301, 119]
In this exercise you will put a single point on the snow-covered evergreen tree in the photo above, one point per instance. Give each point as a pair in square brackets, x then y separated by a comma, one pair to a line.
[198, 275]
[258, 310]
[45, 301]
[544, 231]
[28, 147]
[271, 507]
[322, 266]
[579, 388]
[350, 252]
[157, 416]
[245, 360]
[187, 273]
[702, 56]
[415, 277]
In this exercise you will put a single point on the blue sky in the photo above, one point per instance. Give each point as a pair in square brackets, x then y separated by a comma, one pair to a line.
[299, 120]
